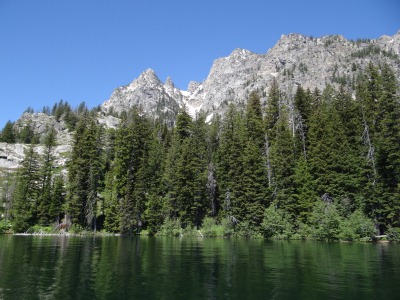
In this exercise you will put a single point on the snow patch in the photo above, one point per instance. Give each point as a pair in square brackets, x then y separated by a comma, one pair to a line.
[185, 93]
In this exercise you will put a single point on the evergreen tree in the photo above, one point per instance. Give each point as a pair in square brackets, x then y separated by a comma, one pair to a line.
[388, 147]
[254, 176]
[229, 166]
[45, 183]
[57, 199]
[283, 163]
[127, 185]
[7, 134]
[84, 172]
[26, 192]
[154, 213]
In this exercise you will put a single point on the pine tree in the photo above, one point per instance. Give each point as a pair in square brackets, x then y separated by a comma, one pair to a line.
[127, 184]
[283, 163]
[7, 134]
[254, 176]
[154, 213]
[84, 172]
[229, 165]
[272, 110]
[26, 192]
[57, 199]
[46, 176]
[388, 147]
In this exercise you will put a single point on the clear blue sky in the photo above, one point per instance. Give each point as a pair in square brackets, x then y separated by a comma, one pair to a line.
[81, 50]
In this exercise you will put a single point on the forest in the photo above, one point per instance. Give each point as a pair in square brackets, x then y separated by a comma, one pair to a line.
[319, 165]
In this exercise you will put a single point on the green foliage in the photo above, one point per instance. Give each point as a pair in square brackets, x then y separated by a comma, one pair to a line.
[393, 234]
[170, 227]
[357, 227]
[325, 222]
[7, 135]
[185, 179]
[38, 229]
[26, 192]
[5, 227]
[276, 224]
[76, 229]
[210, 228]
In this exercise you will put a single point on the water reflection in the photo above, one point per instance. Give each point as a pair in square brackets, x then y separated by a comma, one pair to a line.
[174, 268]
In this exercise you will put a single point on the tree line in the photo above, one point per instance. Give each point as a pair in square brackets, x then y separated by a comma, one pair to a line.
[321, 164]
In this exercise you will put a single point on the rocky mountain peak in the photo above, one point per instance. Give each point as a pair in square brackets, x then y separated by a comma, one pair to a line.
[295, 60]
[169, 83]
[149, 77]
[239, 53]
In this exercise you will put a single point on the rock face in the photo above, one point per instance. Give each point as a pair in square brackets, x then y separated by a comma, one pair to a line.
[147, 93]
[294, 60]
[41, 123]
[11, 155]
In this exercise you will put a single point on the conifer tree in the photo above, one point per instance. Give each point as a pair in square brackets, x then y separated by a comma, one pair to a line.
[229, 165]
[254, 176]
[84, 171]
[388, 147]
[26, 192]
[283, 163]
[127, 183]
[7, 134]
[46, 175]
[154, 213]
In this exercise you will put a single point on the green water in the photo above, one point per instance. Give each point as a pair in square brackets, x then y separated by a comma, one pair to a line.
[33, 267]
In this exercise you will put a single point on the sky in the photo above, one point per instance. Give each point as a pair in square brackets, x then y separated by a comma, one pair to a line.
[81, 50]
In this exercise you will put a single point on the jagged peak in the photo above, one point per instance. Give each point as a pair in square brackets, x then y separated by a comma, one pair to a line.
[241, 53]
[169, 82]
[193, 86]
[150, 76]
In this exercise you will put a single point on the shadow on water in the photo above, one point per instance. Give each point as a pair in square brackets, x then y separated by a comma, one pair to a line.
[44, 267]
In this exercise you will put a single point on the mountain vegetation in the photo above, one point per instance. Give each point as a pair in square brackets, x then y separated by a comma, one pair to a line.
[321, 164]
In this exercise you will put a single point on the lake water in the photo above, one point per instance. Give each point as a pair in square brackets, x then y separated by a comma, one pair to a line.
[59, 267]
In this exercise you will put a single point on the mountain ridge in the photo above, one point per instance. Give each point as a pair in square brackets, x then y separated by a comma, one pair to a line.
[294, 60]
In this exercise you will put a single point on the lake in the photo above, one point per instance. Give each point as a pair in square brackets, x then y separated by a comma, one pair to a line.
[62, 267]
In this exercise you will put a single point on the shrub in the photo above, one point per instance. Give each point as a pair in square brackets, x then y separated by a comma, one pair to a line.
[76, 229]
[171, 227]
[393, 234]
[357, 227]
[275, 224]
[325, 222]
[38, 229]
[211, 228]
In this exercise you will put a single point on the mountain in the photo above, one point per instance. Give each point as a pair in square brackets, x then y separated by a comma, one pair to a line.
[295, 60]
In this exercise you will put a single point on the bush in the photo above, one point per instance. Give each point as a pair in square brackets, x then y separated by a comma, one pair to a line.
[357, 227]
[76, 229]
[171, 227]
[275, 224]
[210, 228]
[243, 229]
[20, 226]
[38, 229]
[325, 222]
[393, 234]
[304, 232]
[5, 227]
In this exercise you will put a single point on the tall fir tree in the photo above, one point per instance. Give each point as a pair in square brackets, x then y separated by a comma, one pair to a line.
[46, 177]
[24, 207]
